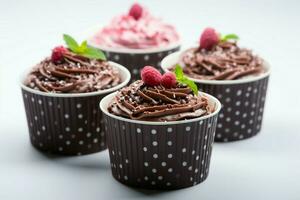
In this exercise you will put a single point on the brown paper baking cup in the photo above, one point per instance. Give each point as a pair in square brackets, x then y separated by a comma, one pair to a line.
[136, 59]
[69, 124]
[160, 155]
[242, 102]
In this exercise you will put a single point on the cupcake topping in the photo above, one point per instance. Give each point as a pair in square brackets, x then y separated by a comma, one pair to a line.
[220, 58]
[149, 102]
[157, 103]
[137, 29]
[136, 11]
[151, 76]
[209, 39]
[69, 72]
[58, 54]
[83, 49]
[168, 80]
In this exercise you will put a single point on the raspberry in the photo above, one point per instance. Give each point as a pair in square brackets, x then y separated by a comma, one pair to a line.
[209, 39]
[151, 76]
[136, 11]
[168, 80]
[57, 54]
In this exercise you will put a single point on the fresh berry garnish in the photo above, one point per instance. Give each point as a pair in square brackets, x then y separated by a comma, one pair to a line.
[136, 11]
[168, 80]
[209, 39]
[151, 76]
[58, 54]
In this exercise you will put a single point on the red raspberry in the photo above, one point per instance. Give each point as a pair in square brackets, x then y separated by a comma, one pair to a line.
[136, 11]
[209, 39]
[168, 80]
[57, 54]
[151, 76]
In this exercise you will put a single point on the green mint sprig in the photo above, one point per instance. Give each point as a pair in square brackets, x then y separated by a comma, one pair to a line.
[231, 36]
[181, 78]
[83, 49]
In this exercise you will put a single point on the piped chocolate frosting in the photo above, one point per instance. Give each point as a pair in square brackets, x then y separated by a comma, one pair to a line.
[226, 61]
[142, 102]
[76, 74]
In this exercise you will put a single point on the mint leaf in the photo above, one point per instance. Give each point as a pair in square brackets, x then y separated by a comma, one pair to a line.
[82, 48]
[84, 44]
[178, 72]
[181, 78]
[71, 43]
[229, 37]
[94, 53]
[191, 84]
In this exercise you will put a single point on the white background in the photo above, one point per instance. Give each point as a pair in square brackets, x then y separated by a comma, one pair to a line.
[264, 167]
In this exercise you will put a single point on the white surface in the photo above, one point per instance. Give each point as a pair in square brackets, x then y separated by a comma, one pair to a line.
[264, 167]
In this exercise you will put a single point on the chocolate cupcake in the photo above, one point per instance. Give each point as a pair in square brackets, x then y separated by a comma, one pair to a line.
[136, 39]
[161, 132]
[61, 96]
[234, 75]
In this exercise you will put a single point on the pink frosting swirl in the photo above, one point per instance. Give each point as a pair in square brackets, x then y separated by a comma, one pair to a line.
[145, 33]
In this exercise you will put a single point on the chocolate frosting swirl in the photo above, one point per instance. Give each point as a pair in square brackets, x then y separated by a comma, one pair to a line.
[226, 61]
[76, 74]
[141, 102]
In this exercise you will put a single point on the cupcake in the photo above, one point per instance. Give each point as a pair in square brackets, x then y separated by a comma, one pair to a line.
[235, 75]
[61, 95]
[136, 39]
[161, 131]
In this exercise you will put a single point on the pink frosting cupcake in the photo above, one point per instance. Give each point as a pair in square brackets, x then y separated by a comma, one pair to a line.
[136, 38]
[129, 31]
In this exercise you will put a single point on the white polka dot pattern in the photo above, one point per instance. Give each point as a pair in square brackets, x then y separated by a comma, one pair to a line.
[160, 157]
[69, 126]
[135, 62]
[242, 108]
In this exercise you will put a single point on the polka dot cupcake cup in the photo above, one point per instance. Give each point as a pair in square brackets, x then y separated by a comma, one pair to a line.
[242, 101]
[160, 155]
[136, 59]
[69, 124]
